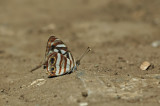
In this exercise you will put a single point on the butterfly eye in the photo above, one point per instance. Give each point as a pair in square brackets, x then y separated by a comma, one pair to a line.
[44, 67]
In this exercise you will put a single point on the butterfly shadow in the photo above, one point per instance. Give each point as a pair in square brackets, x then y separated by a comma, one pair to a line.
[59, 75]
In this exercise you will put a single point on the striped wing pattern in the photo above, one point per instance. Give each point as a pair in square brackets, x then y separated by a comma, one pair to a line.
[59, 59]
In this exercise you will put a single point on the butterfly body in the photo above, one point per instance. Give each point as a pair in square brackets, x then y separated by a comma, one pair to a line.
[59, 60]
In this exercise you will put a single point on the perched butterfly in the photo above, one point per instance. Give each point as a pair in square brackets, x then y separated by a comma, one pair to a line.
[58, 59]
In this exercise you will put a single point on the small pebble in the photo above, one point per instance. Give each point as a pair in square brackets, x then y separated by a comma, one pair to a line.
[108, 85]
[157, 77]
[2, 90]
[78, 100]
[83, 104]
[96, 65]
[120, 67]
[116, 73]
[156, 44]
[38, 82]
[118, 97]
[145, 65]
[55, 96]
[121, 59]
[84, 94]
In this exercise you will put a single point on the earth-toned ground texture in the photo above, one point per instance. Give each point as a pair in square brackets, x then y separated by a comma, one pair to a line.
[120, 33]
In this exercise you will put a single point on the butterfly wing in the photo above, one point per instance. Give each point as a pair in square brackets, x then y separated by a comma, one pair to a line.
[55, 45]
[58, 64]
[63, 60]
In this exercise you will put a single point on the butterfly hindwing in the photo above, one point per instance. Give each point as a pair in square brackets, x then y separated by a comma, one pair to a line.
[59, 65]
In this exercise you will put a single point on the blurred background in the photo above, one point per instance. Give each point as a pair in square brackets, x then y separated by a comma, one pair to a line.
[121, 33]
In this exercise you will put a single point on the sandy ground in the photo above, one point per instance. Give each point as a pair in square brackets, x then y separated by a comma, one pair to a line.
[120, 33]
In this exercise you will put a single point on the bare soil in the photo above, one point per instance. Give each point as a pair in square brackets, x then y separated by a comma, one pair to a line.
[120, 33]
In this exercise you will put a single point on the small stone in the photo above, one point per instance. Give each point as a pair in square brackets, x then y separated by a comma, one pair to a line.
[118, 97]
[2, 90]
[121, 59]
[38, 82]
[78, 100]
[108, 85]
[21, 97]
[157, 77]
[83, 104]
[96, 65]
[120, 67]
[84, 94]
[55, 96]
[116, 73]
[156, 44]
[145, 65]
[23, 86]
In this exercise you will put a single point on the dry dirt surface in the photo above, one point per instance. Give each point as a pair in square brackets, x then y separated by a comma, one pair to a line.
[120, 32]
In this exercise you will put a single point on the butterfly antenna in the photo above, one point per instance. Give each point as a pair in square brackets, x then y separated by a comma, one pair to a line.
[38, 66]
[87, 50]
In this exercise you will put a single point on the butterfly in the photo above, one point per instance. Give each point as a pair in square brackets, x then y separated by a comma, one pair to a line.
[58, 59]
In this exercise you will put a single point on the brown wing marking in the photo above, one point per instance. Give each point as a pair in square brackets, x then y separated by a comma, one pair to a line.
[72, 58]
[65, 64]
[50, 40]
[60, 65]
